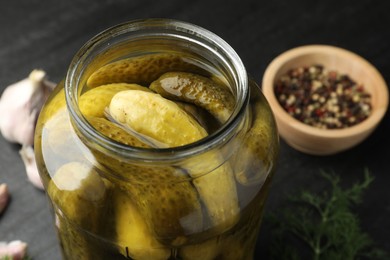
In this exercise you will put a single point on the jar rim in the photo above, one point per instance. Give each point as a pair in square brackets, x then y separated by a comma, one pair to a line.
[200, 36]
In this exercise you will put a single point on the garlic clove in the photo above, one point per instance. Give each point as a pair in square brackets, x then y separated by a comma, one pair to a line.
[20, 105]
[15, 250]
[4, 197]
[28, 157]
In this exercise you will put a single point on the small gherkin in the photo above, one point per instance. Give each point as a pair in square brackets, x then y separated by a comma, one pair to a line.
[79, 197]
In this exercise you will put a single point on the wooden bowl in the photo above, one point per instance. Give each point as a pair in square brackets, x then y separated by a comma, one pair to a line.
[313, 140]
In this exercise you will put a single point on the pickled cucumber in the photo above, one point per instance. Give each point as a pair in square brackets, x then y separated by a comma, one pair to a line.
[164, 196]
[80, 196]
[133, 235]
[115, 132]
[217, 190]
[74, 186]
[153, 116]
[141, 70]
[196, 89]
[255, 158]
[94, 101]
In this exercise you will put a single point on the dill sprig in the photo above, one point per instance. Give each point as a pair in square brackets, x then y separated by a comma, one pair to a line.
[323, 226]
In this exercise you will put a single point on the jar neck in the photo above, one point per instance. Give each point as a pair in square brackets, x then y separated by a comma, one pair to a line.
[152, 36]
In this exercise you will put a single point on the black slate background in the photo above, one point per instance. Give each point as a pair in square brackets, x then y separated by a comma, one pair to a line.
[45, 34]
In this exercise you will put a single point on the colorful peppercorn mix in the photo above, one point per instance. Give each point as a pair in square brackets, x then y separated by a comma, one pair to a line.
[321, 98]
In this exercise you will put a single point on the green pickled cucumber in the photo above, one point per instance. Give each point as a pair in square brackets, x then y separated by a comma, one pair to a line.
[94, 101]
[153, 116]
[140, 70]
[255, 158]
[79, 194]
[216, 188]
[164, 196]
[115, 132]
[196, 89]
[134, 237]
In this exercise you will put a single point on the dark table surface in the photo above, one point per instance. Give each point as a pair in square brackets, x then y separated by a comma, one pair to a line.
[45, 34]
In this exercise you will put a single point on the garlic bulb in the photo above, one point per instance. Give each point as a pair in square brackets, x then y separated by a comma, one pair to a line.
[20, 105]
[28, 157]
[15, 250]
[4, 196]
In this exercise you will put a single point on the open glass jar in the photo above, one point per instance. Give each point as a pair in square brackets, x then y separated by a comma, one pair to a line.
[121, 192]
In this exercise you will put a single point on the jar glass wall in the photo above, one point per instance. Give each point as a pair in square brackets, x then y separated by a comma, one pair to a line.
[120, 193]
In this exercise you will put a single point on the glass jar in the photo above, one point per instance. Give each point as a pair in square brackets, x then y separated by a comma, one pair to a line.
[113, 199]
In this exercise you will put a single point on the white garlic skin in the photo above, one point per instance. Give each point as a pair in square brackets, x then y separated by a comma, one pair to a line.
[20, 105]
[15, 250]
[28, 157]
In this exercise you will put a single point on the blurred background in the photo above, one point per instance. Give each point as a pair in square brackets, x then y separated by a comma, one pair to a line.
[46, 34]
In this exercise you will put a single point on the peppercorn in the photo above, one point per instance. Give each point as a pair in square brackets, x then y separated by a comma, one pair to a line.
[322, 98]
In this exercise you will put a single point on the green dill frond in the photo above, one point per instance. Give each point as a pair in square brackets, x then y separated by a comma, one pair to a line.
[324, 225]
